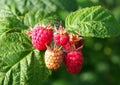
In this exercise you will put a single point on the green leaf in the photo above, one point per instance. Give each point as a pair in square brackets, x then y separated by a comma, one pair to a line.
[9, 21]
[37, 17]
[20, 64]
[65, 4]
[27, 5]
[94, 21]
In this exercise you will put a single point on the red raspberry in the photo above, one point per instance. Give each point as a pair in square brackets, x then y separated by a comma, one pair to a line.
[61, 37]
[75, 42]
[67, 46]
[73, 61]
[41, 36]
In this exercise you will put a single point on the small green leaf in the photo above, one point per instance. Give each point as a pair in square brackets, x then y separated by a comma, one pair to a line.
[20, 64]
[94, 21]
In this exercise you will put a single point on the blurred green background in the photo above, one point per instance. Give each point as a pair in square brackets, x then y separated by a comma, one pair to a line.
[101, 56]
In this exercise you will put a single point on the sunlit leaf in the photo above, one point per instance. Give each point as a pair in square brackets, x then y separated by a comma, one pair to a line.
[94, 21]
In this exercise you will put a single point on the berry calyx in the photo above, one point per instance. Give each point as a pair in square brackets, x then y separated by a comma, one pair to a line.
[29, 32]
[73, 61]
[53, 58]
[76, 40]
[41, 36]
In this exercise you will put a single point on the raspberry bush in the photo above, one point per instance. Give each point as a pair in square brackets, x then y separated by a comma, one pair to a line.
[33, 43]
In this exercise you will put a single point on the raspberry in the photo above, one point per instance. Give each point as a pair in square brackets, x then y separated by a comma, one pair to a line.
[67, 46]
[53, 58]
[61, 37]
[41, 36]
[75, 42]
[73, 61]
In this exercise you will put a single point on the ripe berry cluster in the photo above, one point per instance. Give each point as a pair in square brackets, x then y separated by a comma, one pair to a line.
[66, 47]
